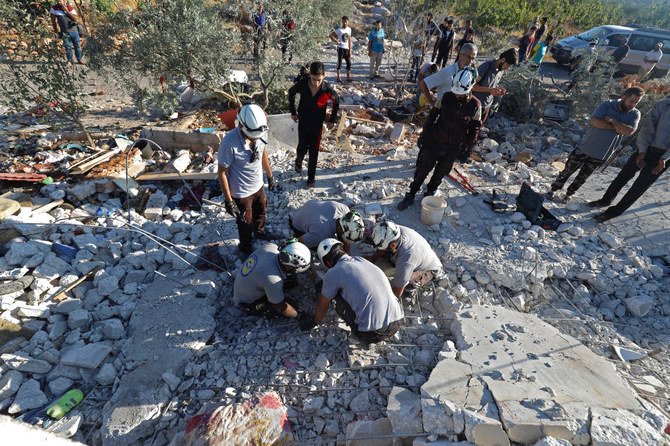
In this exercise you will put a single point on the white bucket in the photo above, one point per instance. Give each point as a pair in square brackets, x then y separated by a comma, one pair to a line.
[432, 210]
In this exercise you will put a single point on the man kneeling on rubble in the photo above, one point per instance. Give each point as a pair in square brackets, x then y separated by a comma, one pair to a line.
[259, 285]
[318, 220]
[362, 295]
[415, 261]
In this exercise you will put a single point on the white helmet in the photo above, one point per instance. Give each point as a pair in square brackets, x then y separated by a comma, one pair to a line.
[464, 80]
[326, 246]
[296, 256]
[253, 122]
[352, 226]
[384, 233]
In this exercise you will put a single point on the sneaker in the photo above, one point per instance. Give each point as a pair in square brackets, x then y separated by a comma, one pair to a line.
[298, 165]
[405, 203]
[310, 184]
[597, 203]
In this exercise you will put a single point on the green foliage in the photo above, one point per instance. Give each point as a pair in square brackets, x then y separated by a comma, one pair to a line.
[39, 74]
[103, 6]
[172, 41]
[651, 13]
[516, 14]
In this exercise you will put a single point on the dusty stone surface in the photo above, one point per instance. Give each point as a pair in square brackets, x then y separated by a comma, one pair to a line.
[166, 328]
[404, 411]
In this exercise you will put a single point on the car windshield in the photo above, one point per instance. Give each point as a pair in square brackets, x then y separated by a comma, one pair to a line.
[593, 34]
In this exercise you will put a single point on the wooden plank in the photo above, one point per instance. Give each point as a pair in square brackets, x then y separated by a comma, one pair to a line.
[62, 294]
[97, 159]
[47, 207]
[168, 176]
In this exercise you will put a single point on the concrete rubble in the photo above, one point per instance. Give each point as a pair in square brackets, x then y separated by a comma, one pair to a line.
[512, 346]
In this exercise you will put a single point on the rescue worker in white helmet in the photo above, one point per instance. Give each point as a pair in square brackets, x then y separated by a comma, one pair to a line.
[260, 282]
[449, 133]
[317, 220]
[414, 260]
[242, 159]
[361, 293]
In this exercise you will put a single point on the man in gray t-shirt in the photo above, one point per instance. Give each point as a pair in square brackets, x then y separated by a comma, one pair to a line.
[317, 220]
[488, 77]
[362, 295]
[259, 284]
[415, 261]
[242, 159]
[610, 121]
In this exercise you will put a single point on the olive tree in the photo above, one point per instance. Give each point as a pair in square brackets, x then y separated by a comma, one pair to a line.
[38, 74]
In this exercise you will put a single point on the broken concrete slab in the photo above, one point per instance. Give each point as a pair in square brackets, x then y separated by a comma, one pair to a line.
[364, 430]
[438, 394]
[543, 382]
[282, 131]
[611, 427]
[10, 383]
[28, 397]
[398, 132]
[88, 356]
[404, 411]
[170, 138]
[25, 363]
[154, 209]
[29, 435]
[166, 329]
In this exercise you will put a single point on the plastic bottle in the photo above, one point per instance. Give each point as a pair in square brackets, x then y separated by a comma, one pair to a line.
[65, 403]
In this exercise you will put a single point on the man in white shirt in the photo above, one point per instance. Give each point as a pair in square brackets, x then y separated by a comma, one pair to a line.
[442, 80]
[342, 36]
[650, 61]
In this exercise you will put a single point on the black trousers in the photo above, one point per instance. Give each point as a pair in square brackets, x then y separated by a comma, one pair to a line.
[427, 161]
[443, 57]
[309, 142]
[344, 310]
[345, 54]
[251, 219]
[576, 161]
[643, 181]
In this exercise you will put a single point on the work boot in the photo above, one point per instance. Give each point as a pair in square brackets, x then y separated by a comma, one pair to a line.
[565, 198]
[310, 184]
[603, 217]
[597, 203]
[298, 165]
[406, 202]
[549, 195]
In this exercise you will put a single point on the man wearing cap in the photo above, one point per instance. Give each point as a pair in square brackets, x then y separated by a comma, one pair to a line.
[361, 292]
[242, 159]
[449, 133]
[317, 220]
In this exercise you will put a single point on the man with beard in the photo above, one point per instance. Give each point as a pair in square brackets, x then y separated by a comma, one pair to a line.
[610, 121]
[490, 73]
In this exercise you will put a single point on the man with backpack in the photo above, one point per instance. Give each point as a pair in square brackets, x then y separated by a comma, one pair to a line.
[286, 35]
[450, 133]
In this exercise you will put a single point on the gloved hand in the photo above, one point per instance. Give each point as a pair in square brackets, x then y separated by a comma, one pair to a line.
[232, 209]
[306, 321]
[272, 184]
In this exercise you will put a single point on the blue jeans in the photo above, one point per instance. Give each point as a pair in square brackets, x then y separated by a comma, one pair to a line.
[69, 40]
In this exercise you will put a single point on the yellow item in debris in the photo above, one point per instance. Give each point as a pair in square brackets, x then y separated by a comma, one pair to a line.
[8, 207]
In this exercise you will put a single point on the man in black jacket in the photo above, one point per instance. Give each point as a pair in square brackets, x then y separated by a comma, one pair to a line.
[450, 133]
[446, 43]
[315, 93]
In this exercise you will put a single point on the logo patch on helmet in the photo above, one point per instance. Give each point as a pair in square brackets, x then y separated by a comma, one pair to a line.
[249, 265]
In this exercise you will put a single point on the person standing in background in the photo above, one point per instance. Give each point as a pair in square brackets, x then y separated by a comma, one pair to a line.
[376, 48]
[342, 36]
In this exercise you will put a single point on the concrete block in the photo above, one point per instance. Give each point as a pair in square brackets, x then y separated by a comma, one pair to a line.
[79, 319]
[28, 397]
[404, 411]
[619, 427]
[10, 383]
[366, 429]
[24, 363]
[155, 205]
[169, 138]
[88, 356]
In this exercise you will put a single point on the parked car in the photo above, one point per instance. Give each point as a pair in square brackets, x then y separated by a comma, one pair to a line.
[641, 40]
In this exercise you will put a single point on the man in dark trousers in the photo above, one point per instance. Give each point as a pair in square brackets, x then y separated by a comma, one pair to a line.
[65, 16]
[611, 120]
[315, 94]
[450, 133]
[651, 159]
[242, 159]
[446, 43]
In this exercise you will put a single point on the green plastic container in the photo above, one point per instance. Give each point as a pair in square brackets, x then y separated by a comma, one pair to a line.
[65, 404]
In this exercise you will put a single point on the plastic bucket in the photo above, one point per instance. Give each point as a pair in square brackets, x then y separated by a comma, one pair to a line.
[432, 210]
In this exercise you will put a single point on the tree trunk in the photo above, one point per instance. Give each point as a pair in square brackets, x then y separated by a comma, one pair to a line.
[91, 143]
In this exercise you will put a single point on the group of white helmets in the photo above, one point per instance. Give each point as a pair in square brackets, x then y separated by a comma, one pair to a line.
[298, 257]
